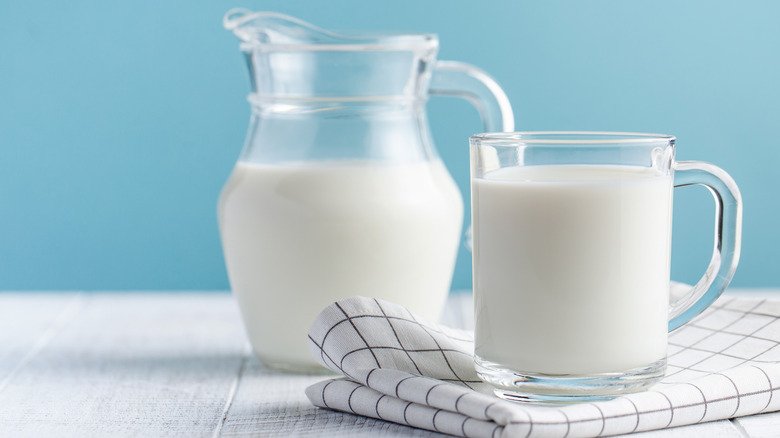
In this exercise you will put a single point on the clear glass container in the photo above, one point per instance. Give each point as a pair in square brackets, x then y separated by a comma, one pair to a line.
[339, 190]
[571, 248]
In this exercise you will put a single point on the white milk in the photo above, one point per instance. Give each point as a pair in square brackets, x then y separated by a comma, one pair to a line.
[571, 267]
[299, 237]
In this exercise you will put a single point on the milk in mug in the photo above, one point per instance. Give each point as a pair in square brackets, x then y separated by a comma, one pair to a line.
[571, 267]
[299, 236]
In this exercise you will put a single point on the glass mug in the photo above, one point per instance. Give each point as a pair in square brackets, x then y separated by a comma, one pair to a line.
[571, 246]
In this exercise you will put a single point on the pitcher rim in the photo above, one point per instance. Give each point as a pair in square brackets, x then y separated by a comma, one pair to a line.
[364, 41]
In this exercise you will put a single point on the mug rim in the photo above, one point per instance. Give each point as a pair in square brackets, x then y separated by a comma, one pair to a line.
[520, 138]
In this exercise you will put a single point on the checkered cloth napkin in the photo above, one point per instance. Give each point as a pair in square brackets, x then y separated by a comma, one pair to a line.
[400, 368]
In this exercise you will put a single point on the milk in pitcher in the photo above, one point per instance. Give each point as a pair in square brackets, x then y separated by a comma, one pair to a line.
[299, 236]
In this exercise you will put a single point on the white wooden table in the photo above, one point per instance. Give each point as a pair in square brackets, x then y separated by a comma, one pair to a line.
[178, 364]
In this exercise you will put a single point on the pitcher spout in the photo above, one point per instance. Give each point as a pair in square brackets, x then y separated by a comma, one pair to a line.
[275, 28]
[290, 58]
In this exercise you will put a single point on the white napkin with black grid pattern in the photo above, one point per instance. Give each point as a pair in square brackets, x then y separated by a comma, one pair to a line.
[400, 368]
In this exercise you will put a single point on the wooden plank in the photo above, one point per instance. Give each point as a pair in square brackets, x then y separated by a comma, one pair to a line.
[155, 364]
[715, 429]
[131, 365]
[28, 322]
[760, 426]
[273, 404]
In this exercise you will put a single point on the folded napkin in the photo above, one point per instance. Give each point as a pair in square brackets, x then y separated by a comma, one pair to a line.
[398, 367]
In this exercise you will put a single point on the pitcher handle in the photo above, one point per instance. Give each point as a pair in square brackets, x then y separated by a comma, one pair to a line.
[728, 234]
[458, 79]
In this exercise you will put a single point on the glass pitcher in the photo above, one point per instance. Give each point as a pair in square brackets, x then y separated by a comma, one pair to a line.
[338, 190]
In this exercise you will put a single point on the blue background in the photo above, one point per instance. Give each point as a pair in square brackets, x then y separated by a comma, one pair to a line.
[120, 121]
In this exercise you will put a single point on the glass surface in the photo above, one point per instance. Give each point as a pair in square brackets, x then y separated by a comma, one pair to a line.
[339, 190]
[571, 250]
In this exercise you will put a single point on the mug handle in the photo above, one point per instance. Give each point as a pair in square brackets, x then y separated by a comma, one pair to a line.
[728, 237]
[458, 79]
